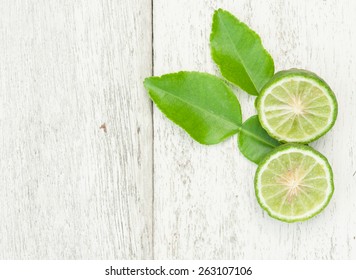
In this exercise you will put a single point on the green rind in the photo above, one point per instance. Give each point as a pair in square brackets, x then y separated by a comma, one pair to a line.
[240, 70]
[306, 74]
[302, 147]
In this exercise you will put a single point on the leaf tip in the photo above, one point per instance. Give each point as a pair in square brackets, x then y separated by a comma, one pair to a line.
[220, 10]
[146, 82]
[217, 11]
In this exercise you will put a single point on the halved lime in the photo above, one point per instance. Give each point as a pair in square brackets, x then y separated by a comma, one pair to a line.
[297, 106]
[294, 183]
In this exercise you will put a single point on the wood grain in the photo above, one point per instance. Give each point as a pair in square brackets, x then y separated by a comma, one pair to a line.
[205, 207]
[85, 174]
[70, 190]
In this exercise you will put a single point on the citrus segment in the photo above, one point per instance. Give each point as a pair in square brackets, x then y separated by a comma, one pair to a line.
[294, 183]
[297, 106]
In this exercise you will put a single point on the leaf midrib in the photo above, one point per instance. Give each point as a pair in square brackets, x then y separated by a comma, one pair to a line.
[238, 126]
[236, 51]
[257, 137]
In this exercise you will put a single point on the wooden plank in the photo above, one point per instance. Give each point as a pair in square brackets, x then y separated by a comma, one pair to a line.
[205, 207]
[70, 190]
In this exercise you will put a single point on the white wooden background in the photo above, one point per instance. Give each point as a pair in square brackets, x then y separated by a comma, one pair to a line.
[143, 189]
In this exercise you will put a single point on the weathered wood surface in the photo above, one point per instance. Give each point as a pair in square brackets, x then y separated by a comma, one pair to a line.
[144, 189]
[69, 190]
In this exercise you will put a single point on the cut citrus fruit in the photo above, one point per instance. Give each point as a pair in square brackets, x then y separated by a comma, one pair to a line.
[294, 183]
[296, 106]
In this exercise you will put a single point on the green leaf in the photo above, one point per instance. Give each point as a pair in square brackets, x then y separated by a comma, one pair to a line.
[254, 142]
[239, 53]
[202, 104]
